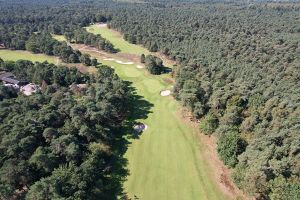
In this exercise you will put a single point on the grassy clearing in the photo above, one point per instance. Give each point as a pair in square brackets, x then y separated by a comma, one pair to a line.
[116, 39]
[167, 161]
[60, 38]
[25, 55]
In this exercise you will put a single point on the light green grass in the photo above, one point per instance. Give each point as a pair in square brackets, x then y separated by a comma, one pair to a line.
[117, 40]
[166, 162]
[25, 55]
[60, 38]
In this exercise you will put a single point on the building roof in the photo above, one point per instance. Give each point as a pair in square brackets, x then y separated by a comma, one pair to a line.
[29, 89]
[10, 80]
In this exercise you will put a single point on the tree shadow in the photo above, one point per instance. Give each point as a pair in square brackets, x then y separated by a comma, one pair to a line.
[166, 70]
[138, 108]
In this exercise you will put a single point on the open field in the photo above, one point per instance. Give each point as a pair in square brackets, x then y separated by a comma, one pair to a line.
[25, 55]
[168, 161]
[60, 38]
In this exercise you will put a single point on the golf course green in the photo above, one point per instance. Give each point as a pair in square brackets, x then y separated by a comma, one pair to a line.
[167, 161]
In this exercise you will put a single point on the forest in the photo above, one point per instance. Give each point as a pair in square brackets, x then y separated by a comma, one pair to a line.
[63, 142]
[238, 74]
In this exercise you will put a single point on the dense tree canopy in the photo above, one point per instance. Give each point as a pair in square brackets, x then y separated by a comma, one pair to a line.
[60, 142]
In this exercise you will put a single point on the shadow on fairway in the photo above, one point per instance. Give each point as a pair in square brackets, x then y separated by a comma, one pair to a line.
[138, 109]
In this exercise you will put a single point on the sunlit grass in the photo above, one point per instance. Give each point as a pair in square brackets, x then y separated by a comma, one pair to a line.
[25, 55]
[167, 161]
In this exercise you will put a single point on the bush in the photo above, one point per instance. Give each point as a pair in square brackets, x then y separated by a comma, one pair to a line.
[154, 64]
[230, 145]
[209, 123]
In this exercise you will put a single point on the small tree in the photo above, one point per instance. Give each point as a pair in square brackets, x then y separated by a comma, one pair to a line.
[94, 62]
[154, 64]
[143, 58]
[209, 123]
[230, 145]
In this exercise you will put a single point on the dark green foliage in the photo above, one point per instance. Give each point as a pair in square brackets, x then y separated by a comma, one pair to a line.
[154, 64]
[230, 145]
[44, 43]
[143, 58]
[81, 36]
[60, 143]
[44, 72]
[285, 189]
[209, 123]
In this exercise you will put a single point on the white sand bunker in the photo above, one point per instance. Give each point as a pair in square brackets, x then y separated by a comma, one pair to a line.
[165, 93]
[109, 59]
[124, 63]
[102, 25]
[140, 66]
[139, 127]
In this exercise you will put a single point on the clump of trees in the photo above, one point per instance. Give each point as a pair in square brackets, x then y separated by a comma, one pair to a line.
[60, 143]
[153, 64]
[81, 36]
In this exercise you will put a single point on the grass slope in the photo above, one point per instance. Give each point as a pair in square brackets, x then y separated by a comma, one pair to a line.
[167, 161]
[25, 55]
[119, 42]
[60, 38]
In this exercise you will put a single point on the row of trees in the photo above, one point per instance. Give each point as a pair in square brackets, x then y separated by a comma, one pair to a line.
[44, 43]
[62, 143]
[81, 36]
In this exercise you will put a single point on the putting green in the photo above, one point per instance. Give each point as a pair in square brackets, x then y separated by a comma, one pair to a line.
[26, 55]
[167, 161]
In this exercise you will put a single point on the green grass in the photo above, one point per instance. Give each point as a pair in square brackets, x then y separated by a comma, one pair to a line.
[117, 40]
[167, 161]
[60, 38]
[25, 55]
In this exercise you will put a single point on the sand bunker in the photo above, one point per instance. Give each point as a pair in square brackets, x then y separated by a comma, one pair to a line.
[165, 93]
[102, 25]
[109, 59]
[140, 127]
[140, 66]
[124, 63]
